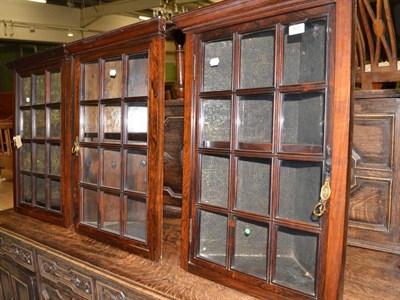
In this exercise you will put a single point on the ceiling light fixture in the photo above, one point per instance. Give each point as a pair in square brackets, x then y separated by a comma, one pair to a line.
[39, 1]
[168, 9]
[144, 18]
[70, 33]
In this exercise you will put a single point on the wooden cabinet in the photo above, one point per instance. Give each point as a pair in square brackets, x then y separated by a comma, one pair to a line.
[17, 271]
[119, 93]
[42, 110]
[15, 283]
[267, 111]
[374, 203]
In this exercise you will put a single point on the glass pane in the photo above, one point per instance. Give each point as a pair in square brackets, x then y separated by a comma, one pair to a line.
[136, 171]
[113, 79]
[299, 188]
[26, 189]
[296, 260]
[138, 73]
[214, 180]
[26, 124]
[112, 168]
[26, 152]
[304, 53]
[89, 123]
[216, 121]
[303, 119]
[253, 185]
[40, 188]
[90, 84]
[55, 159]
[90, 208]
[39, 164]
[255, 119]
[90, 165]
[39, 89]
[26, 91]
[218, 66]
[55, 194]
[55, 123]
[40, 123]
[137, 219]
[251, 243]
[137, 122]
[213, 237]
[257, 59]
[112, 213]
[112, 123]
[55, 87]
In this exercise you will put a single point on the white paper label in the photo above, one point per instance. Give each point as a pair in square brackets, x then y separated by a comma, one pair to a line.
[17, 141]
[113, 73]
[214, 62]
[297, 29]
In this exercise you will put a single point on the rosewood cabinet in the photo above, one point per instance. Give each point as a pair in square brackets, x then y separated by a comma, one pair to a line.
[42, 110]
[119, 92]
[267, 111]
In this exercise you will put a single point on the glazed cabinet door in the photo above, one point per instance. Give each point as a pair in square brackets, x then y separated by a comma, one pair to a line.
[119, 146]
[42, 108]
[260, 152]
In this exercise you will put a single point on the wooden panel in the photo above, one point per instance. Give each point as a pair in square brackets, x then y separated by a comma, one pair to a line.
[66, 276]
[18, 254]
[374, 206]
[16, 283]
[373, 140]
[371, 203]
[106, 291]
[48, 292]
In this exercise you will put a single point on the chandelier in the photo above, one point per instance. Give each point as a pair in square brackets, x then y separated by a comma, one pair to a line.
[167, 9]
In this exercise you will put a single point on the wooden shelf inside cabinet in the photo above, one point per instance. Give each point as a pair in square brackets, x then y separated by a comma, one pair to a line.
[119, 100]
[42, 111]
[266, 143]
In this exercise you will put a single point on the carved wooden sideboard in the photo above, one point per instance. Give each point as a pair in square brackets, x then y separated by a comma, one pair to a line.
[43, 261]
[374, 202]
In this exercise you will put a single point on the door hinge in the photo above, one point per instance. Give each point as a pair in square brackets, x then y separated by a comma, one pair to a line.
[194, 66]
[190, 230]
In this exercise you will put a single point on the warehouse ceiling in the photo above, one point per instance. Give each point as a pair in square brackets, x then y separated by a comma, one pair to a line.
[88, 3]
[95, 9]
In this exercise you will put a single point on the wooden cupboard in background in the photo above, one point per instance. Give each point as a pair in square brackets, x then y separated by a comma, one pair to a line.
[374, 209]
[374, 200]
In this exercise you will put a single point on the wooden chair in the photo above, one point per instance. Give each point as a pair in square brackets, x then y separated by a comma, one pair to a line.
[6, 150]
[376, 45]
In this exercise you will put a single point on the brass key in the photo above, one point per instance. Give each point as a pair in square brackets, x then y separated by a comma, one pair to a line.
[325, 194]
